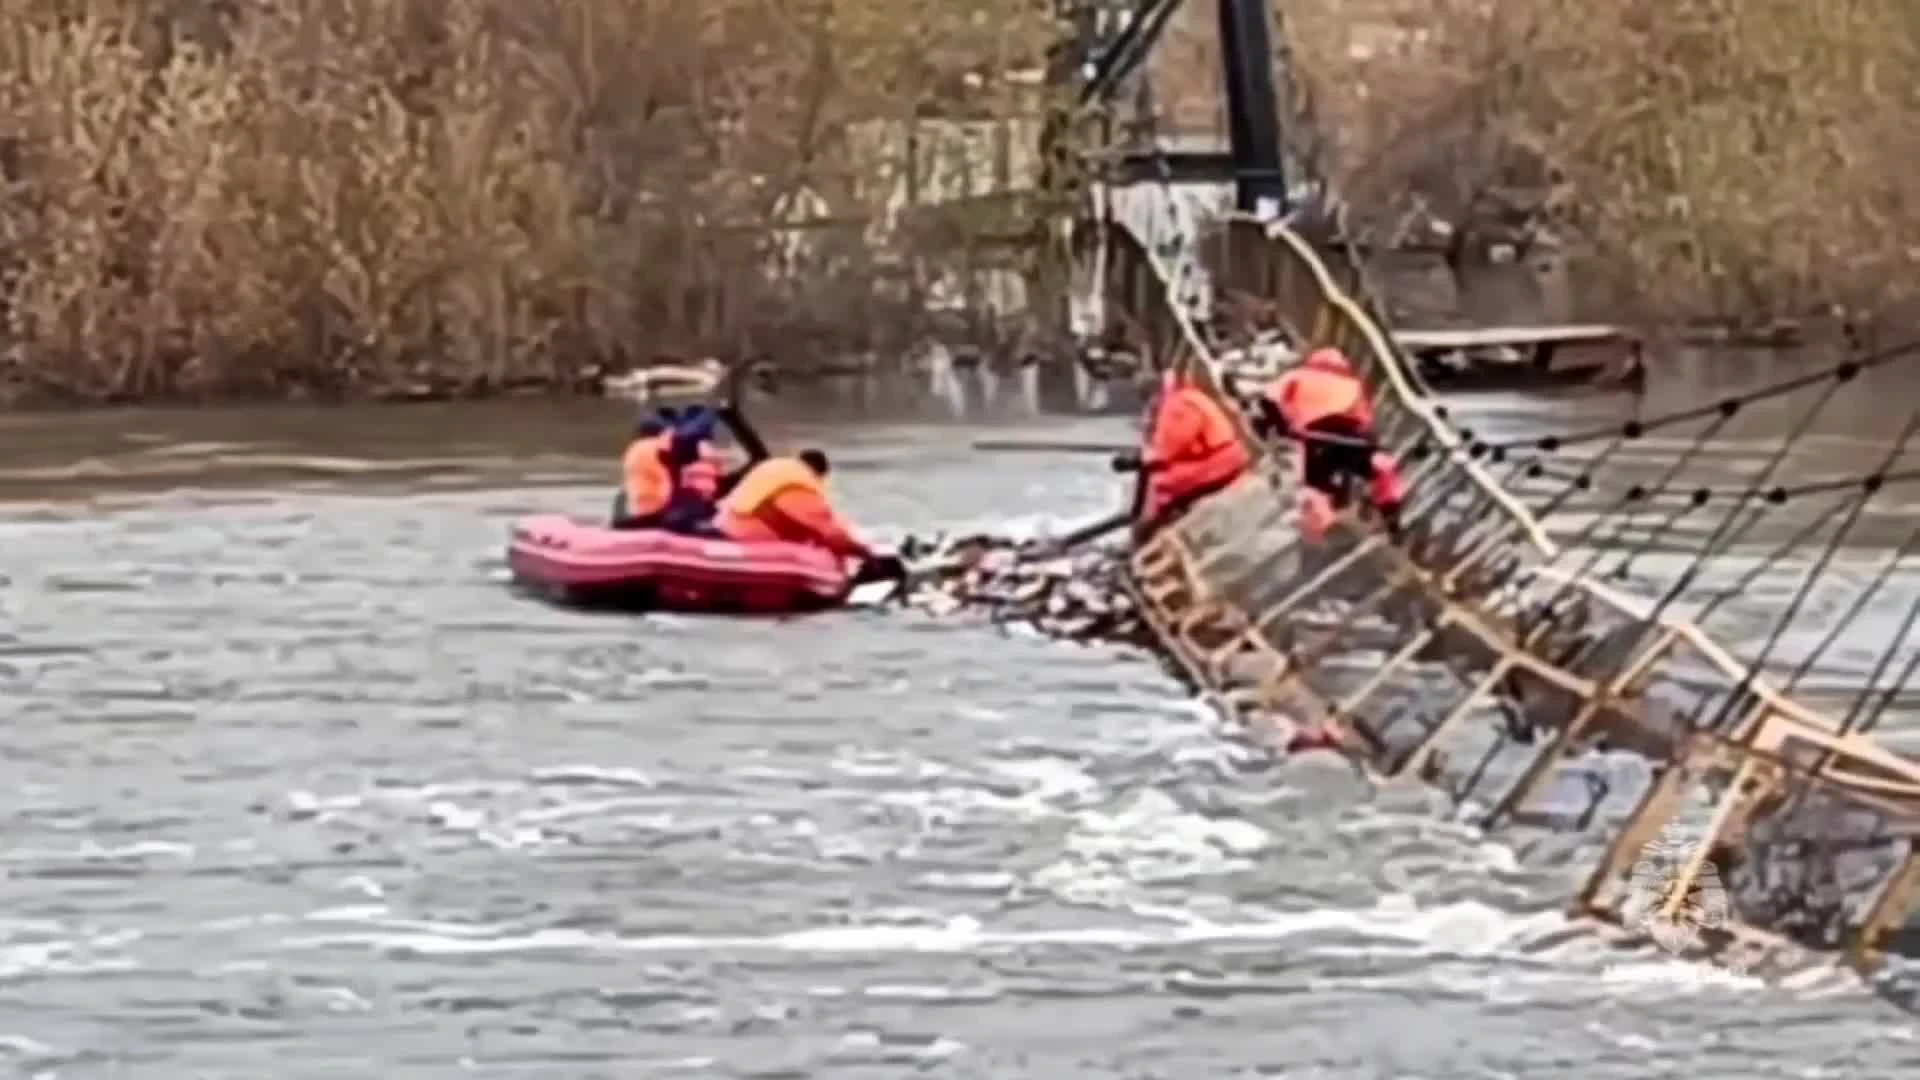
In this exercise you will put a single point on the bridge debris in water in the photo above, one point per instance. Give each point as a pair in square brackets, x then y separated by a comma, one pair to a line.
[1085, 597]
[1076, 596]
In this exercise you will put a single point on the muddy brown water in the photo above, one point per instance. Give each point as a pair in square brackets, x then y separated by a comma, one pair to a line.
[296, 788]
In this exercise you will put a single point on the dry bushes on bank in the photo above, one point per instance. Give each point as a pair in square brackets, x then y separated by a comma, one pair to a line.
[1734, 159]
[210, 197]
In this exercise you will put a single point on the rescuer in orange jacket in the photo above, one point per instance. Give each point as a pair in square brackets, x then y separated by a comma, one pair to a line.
[1193, 450]
[646, 477]
[670, 473]
[1324, 404]
[786, 499]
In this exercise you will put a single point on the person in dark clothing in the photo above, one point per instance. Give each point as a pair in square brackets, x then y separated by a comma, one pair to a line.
[1336, 457]
[694, 470]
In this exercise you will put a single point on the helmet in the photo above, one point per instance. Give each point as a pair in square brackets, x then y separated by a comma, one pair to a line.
[1328, 358]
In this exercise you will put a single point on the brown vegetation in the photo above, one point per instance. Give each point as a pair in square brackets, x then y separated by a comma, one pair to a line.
[208, 197]
[1743, 160]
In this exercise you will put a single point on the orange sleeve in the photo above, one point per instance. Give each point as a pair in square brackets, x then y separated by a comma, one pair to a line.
[1175, 430]
[808, 512]
[645, 478]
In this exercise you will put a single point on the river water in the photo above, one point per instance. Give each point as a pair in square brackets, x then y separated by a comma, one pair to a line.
[296, 789]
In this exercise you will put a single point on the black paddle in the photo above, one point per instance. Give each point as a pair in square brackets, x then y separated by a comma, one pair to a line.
[1091, 531]
[1047, 446]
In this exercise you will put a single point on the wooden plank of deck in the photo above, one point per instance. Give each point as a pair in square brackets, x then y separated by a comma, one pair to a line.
[1490, 337]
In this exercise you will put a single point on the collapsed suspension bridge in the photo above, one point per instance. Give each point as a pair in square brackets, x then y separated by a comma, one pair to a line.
[1494, 656]
[1498, 659]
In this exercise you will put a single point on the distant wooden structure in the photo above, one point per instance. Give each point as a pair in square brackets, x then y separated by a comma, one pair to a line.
[1524, 357]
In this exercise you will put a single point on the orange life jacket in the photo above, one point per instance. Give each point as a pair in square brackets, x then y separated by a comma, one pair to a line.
[783, 499]
[1192, 447]
[647, 480]
[1321, 387]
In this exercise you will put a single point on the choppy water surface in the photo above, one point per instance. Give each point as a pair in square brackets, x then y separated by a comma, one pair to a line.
[296, 789]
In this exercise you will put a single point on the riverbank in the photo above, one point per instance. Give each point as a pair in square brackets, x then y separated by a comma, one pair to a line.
[1748, 167]
[375, 199]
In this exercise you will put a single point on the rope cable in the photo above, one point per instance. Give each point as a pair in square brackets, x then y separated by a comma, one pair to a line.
[1854, 610]
[1842, 372]
[1724, 533]
[1648, 626]
[1808, 580]
[1871, 720]
[1599, 551]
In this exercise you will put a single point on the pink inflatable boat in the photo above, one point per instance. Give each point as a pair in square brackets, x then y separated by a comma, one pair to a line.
[651, 570]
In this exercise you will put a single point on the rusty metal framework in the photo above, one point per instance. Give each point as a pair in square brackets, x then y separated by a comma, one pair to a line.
[1479, 656]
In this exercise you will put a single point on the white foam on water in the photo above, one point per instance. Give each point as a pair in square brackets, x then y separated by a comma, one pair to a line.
[42, 958]
[1674, 974]
[301, 801]
[23, 1046]
[1389, 922]
[1111, 856]
[93, 851]
[1050, 779]
[953, 800]
[632, 809]
[1395, 926]
[872, 764]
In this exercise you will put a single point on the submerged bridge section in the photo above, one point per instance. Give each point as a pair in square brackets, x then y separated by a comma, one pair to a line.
[1504, 666]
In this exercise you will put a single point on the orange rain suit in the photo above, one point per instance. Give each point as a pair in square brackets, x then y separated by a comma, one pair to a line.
[1322, 387]
[647, 479]
[1193, 450]
[783, 499]
[1323, 396]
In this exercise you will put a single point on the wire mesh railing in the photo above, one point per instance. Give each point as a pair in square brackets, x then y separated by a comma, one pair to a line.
[1506, 662]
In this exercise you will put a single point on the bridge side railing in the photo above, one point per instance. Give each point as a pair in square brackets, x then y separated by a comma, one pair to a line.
[1271, 261]
[1230, 593]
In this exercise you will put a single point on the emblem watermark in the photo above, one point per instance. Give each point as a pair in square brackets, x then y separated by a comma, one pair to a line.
[1677, 924]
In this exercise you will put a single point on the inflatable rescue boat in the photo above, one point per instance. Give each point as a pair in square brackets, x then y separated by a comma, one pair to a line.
[582, 564]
